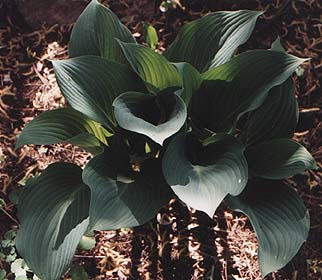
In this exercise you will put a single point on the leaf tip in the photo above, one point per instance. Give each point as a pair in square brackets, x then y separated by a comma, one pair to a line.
[259, 13]
[19, 142]
[314, 165]
[56, 63]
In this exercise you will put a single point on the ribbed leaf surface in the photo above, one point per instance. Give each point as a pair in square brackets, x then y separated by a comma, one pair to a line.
[191, 81]
[53, 212]
[279, 158]
[117, 203]
[204, 186]
[275, 118]
[152, 67]
[279, 218]
[95, 32]
[63, 125]
[91, 83]
[212, 40]
[239, 86]
[129, 109]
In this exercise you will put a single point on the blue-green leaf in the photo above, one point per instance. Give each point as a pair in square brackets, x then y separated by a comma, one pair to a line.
[279, 218]
[64, 125]
[220, 168]
[168, 114]
[191, 81]
[239, 86]
[121, 200]
[279, 158]
[91, 83]
[212, 40]
[95, 32]
[53, 211]
[275, 118]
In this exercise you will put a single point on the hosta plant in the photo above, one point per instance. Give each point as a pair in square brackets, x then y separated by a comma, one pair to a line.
[197, 123]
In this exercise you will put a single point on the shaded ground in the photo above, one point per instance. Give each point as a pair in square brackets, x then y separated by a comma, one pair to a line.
[178, 244]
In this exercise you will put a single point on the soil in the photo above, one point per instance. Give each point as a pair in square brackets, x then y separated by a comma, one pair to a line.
[179, 243]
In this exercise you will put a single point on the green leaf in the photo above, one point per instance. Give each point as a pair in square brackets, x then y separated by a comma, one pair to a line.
[2, 203]
[95, 32]
[279, 218]
[10, 234]
[63, 125]
[239, 86]
[204, 178]
[152, 67]
[212, 40]
[277, 46]
[53, 212]
[86, 243]
[279, 158]
[78, 273]
[191, 81]
[275, 118]
[3, 274]
[157, 117]
[119, 202]
[151, 36]
[91, 83]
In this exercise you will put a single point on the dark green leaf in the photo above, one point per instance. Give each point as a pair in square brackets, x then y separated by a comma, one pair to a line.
[279, 158]
[78, 273]
[191, 81]
[276, 118]
[156, 117]
[53, 212]
[95, 32]
[212, 40]
[279, 218]
[241, 85]
[119, 202]
[220, 169]
[91, 83]
[152, 67]
[63, 125]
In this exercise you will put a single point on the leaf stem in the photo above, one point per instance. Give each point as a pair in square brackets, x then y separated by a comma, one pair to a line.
[12, 218]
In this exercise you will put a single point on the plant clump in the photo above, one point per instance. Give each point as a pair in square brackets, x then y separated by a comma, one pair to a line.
[197, 123]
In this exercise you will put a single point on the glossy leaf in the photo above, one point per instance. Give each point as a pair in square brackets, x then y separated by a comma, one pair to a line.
[91, 83]
[239, 86]
[152, 67]
[220, 169]
[276, 118]
[279, 158]
[212, 40]
[279, 218]
[53, 211]
[95, 32]
[156, 117]
[191, 81]
[63, 125]
[119, 201]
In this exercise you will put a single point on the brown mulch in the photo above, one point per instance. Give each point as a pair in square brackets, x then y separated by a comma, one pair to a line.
[179, 243]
